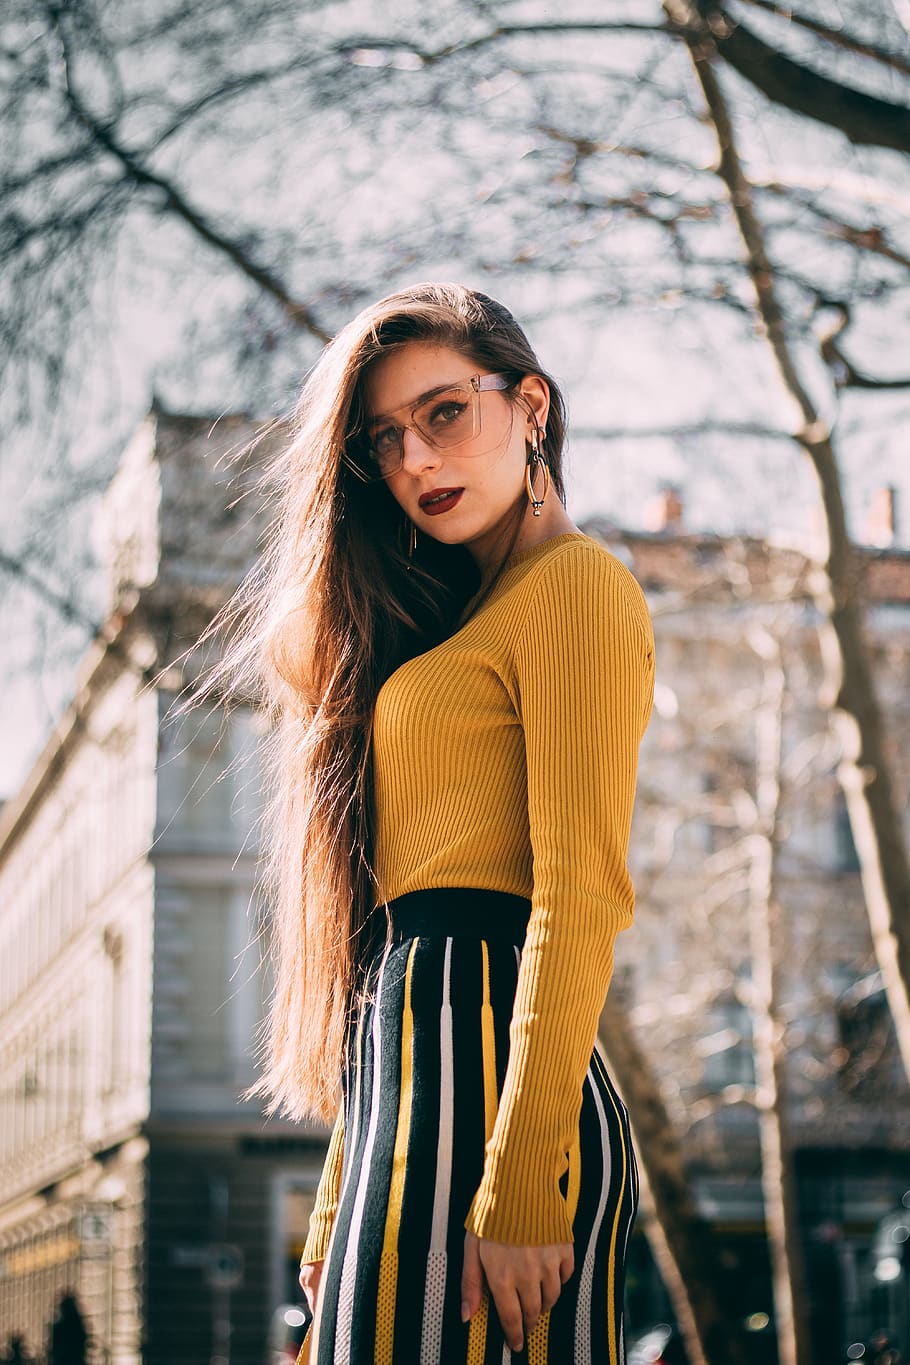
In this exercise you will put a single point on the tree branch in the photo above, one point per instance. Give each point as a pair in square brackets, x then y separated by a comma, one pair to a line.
[835, 36]
[431, 56]
[844, 373]
[70, 610]
[863, 118]
[871, 239]
[298, 313]
[16, 233]
[856, 188]
[677, 431]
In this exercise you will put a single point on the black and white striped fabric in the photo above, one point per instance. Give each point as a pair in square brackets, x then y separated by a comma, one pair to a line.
[427, 1066]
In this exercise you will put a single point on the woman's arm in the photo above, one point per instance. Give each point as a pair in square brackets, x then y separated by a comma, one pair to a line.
[326, 1205]
[585, 684]
[584, 673]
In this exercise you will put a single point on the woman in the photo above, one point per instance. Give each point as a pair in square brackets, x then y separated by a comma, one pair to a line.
[460, 680]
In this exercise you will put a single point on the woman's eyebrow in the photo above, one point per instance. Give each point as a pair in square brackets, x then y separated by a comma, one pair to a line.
[412, 403]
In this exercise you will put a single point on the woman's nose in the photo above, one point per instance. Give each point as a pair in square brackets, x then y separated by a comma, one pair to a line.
[417, 453]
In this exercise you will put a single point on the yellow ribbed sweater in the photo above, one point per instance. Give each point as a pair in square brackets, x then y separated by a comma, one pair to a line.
[506, 758]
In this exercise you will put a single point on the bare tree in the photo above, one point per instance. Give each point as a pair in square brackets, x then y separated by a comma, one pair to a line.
[865, 772]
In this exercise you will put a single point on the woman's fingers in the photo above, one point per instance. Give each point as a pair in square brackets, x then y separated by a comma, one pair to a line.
[531, 1299]
[510, 1314]
[524, 1282]
[310, 1273]
[551, 1288]
[471, 1279]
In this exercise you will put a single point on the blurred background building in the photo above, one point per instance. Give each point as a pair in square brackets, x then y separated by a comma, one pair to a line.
[132, 1170]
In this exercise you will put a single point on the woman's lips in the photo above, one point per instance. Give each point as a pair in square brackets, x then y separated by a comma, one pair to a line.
[439, 500]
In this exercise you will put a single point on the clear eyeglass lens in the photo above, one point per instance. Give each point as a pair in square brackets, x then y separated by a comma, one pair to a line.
[447, 419]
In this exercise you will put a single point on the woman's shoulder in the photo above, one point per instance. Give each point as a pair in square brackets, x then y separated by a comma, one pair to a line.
[576, 570]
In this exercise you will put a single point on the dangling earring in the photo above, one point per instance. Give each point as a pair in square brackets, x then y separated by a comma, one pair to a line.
[410, 530]
[536, 457]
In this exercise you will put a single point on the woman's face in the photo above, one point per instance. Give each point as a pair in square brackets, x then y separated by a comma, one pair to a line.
[463, 495]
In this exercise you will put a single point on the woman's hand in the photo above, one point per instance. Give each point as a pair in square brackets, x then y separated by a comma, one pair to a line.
[310, 1272]
[523, 1281]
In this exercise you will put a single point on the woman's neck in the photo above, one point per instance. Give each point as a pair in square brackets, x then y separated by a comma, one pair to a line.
[489, 549]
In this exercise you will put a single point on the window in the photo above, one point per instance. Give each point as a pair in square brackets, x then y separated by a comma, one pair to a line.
[207, 985]
[727, 1049]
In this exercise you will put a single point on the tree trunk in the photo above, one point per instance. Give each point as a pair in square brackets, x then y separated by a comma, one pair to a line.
[778, 1179]
[681, 1241]
[864, 771]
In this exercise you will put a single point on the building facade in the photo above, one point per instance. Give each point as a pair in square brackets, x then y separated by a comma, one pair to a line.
[134, 1173]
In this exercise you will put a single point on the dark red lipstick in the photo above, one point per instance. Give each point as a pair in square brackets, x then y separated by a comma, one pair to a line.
[439, 500]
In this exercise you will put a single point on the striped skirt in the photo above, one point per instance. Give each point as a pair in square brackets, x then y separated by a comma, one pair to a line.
[427, 1066]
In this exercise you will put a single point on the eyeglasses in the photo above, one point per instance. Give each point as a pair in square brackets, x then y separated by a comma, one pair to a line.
[446, 417]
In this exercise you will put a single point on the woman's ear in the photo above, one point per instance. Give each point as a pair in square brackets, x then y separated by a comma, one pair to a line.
[536, 394]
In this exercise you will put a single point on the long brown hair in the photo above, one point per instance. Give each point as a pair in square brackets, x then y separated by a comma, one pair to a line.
[335, 605]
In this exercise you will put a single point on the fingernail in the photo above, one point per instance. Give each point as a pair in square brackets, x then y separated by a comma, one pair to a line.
[465, 1315]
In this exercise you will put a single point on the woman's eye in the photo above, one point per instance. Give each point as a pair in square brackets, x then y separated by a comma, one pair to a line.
[446, 412]
[384, 441]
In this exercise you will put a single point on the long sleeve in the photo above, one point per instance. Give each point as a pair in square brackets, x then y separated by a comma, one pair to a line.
[584, 678]
[326, 1205]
